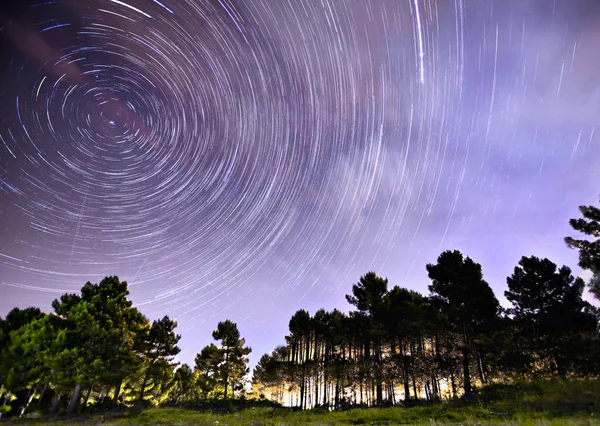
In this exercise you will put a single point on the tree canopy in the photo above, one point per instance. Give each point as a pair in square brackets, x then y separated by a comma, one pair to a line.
[589, 251]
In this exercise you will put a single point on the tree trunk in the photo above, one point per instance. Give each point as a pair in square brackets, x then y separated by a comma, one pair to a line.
[55, 402]
[413, 354]
[406, 382]
[405, 373]
[453, 383]
[373, 386]
[316, 388]
[74, 399]
[378, 375]
[379, 388]
[560, 367]
[27, 402]
[414, 383]
[361, 390]
[480, 369]
[42, 394]
[306, 356]
[466, 374]
[325, 385]
[87, 397]
[226, 380]
[117, 392]
[302, 380]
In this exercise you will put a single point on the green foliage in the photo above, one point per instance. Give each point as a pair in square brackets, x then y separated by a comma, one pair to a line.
[101, 330]
[551, 398]
[18, 318]
[157, 346]
[184, 387]
[222, 370]
[207, 367]
[94, 342]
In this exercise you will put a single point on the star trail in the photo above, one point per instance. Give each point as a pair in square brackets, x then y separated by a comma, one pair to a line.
[245, 159]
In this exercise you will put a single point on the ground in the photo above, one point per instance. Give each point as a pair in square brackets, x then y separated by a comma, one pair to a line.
[544, 402]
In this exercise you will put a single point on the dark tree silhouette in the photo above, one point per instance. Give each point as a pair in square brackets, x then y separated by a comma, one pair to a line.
[233, 364]
[466, 301]
[405, 321]
[300, 330]
[555, 324]
[368, 297]
[589, 251]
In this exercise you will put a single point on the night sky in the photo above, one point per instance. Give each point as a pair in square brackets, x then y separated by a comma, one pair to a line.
[245, 159]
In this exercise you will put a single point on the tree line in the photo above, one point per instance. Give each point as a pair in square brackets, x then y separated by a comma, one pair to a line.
[399, 346]
[96, 350]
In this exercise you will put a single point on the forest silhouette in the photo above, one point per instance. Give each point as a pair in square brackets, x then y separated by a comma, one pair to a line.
[395, 346]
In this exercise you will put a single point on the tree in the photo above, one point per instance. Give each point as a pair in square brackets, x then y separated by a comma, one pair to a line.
[368, 297]
[269, 375]
[233, 368]
[367, 294]
[207, 364]
[300, 331]
[466, 301]
[101, 330]
[159, 343]
[405, 321]
[550, 312]
[95, 344]
[184, 385]
[17, 318]
[27, 355]
[225, 365]
[589, 251]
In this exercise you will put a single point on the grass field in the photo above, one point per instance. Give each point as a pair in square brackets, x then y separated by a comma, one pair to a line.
[575, 402]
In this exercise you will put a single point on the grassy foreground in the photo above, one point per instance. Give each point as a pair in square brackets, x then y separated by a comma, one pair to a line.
[575, 402]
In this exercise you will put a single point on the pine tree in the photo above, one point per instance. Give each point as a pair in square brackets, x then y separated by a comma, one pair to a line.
[159, 343]
[368, 297]
[466, 301]
[589, 251]
[553, 321]
[226, 365]
[207, 364]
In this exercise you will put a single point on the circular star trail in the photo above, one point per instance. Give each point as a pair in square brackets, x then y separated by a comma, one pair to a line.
[245, 159]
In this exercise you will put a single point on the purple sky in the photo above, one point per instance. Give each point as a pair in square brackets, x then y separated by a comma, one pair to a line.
[243, 160]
